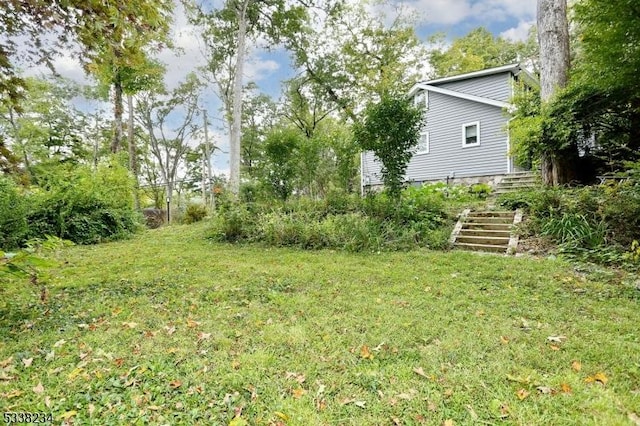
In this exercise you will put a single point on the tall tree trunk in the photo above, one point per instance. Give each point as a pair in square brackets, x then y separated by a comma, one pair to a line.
[133, 156]
[236, 125]
[558, 167]
[116, 143]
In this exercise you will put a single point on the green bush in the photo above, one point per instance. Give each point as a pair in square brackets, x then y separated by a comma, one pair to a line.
[194, 213]
[13, 215]
[84, 206]
[341, 221]
[234, 223]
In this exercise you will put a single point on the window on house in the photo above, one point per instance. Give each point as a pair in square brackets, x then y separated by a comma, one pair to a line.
[423, 143]
[471, 134]
[421, 99]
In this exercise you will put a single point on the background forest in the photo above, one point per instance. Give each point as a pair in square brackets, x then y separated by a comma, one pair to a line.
[80, 162]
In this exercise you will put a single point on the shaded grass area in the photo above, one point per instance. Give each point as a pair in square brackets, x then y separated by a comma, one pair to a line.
[169, 328]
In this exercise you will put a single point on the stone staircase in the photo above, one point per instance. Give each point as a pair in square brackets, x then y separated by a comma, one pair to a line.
[516, 181]
[488, 231]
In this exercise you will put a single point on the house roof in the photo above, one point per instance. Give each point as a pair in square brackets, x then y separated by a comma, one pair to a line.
[431, 85]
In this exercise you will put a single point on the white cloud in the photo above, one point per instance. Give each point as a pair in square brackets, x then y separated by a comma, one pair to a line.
[451, 12]
[519, 32]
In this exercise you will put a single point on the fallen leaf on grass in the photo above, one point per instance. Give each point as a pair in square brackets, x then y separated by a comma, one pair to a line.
[6, 362]
[576, 366]
[565, 388]
[59, 343]
[635, 419]
[360, 404]
[170, 329]
[298, 393]
[598, 377]
[27, 362]
[119, 361]
[12, 394]
[235, 365]
[175, 384]
[554, 347]
[282, 416]
[192, 323]
[522, 394]
[129, 325]
[449, 422]
[420, 372]
[545, 390]
[298, 377]
[5, 377]
[67, 415]
[556, 339]
[504, 340]
[203, 336]
[365, 353]
[38, 388]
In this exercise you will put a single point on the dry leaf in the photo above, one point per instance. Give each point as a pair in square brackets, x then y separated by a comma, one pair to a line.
[6, 362]
[420, 372]
[565, 388]
[365, 353]
[129, 325]
[59, 343]
[554, 347]
[576, 366]
[38, 388]
[635, 419]
[235, 364]
[119, 361]
[598, 377]
[27, 362]
[12, 394]
[556, 339]
[175, 384]
[298, 393]
[92, 409]
[47, 401]
[448, 392]
[68, 414]
[522, 394]
[149, 334]
[448, 422]
[360, 404]
[203, 336]
[170, 330]
[545, 390]
[192, 323]
[504, 340]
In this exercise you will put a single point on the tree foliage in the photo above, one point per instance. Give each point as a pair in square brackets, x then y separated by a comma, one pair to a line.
[478, 50]
[391, 130]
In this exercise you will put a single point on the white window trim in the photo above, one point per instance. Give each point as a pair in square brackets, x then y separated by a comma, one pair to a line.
[464, 134]
[424, 151]
[424, 93]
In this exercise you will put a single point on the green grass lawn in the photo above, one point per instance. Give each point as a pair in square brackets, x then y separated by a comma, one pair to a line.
[169, 328]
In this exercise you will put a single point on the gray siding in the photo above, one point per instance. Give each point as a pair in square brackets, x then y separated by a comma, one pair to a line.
[496, 86]
[445, 118]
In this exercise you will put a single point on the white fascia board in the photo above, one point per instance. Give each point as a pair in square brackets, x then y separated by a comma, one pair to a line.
[460, 95]
[505, 68]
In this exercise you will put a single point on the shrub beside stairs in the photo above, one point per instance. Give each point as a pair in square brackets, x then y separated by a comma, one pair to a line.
[487, 231]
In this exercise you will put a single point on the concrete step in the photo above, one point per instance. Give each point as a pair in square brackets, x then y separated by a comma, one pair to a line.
[484, 240]
[482, 247]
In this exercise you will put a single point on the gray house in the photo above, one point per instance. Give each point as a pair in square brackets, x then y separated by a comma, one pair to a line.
[465, 138]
